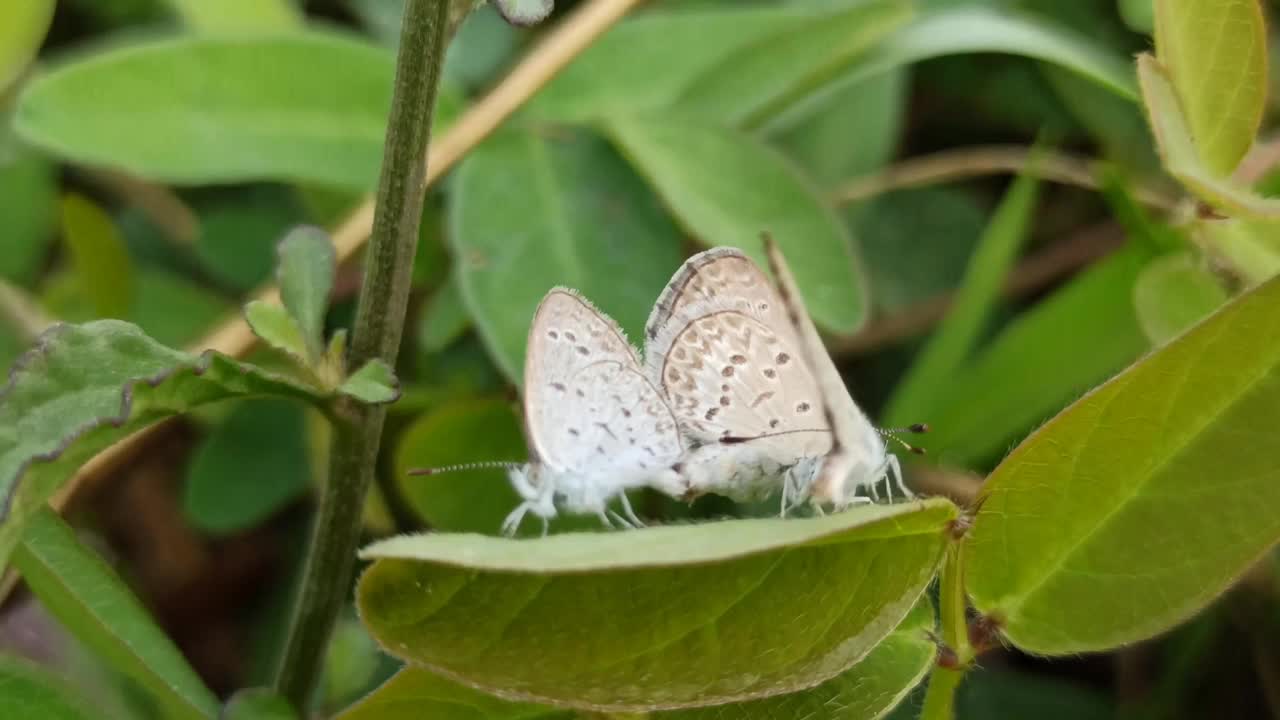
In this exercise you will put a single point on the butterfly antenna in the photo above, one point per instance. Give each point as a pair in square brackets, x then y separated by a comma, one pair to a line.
[488, 465]
[917, 429]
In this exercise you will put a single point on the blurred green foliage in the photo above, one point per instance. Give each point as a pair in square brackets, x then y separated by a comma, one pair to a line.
[153, 152]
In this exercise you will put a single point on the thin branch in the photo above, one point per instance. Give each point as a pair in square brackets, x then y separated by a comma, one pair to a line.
[1030, 275]
[20, 313]
[568, 40]
[963, 163]
[158, 203]
[1262, 158]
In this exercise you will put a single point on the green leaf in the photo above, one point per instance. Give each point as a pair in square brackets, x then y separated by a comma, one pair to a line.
[351, 663]
[276, 327]
[1173, 293]
[851, 133]
[374, 383]
[761, 78]
[443, 318]
[29, 691]
[305, 275]
[573, 214]
[1215, 52]
[198, 109]
[238, 16]
[23, 24]
[240, 232]
[464, 431]
[414, 693]
[1137, 505]
[78, 588]
[525, 12]
[98, 254]
[649, 59]
[726, 188]
[258, 704]
[916, 242]
[172, 309]
[954, 341]
[247, 467]
[1180, 155]
[84, 387]
[973, 29]
[678, 616]
[1138, 15]
[1032, 369]
[866, 690]
[29, 206]
[1251, 248]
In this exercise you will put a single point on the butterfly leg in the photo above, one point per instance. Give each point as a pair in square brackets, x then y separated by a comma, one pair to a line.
[512, 522]
[895, 472]
[628, 513]
[546, 525]
[605, 519]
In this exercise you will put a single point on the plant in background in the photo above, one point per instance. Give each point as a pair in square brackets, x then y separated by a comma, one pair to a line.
[1128, 512]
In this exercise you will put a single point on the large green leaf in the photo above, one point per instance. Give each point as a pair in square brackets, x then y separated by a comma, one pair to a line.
[78, 588]
[1032, 368]
[666, 617]
[852, 132]
[307, 105]
[23, 24]
[866, 690]
[28, 691]
[776, 72]
[1173, 293]
[976, 29]
[247, 467]
[1216, 55]
[954, 341]
[571, 213]
[1181, 156]
[238, 16]
[647, 61]
[726, 188]
[84, 387]
[1142, 501]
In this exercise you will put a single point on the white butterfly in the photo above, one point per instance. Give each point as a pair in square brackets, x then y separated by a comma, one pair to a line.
[753, 388]
[596, 426]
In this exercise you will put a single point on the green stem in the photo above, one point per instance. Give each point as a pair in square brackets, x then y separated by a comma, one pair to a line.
[940, 698]
[955, 654]
[384, 297]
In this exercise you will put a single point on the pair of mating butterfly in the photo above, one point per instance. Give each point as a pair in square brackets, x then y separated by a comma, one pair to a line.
[736, 394]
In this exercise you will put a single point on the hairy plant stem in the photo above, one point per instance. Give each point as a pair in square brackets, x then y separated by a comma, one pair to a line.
[384, 296]
[955, 654]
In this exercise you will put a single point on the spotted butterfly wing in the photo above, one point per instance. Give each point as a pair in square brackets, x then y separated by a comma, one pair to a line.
[595, 422]
[722, 349]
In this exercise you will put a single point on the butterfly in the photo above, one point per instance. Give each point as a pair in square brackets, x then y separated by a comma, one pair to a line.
[754, 390]
[595, 425]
